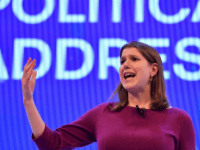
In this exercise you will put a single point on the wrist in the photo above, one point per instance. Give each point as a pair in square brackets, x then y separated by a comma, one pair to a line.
[27, 101]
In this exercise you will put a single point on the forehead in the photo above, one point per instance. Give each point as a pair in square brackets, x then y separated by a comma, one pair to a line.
[131, 51]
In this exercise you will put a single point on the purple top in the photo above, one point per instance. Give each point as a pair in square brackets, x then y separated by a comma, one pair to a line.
[169, 129]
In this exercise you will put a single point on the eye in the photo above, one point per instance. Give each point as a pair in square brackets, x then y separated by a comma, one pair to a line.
[122, 61]
[134, 58]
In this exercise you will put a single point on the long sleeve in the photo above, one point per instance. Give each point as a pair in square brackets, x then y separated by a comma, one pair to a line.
[169, 129]
[187, 139]
[76, 134]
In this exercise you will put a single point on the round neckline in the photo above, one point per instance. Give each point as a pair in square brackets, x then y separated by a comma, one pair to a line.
[135, 107]
[145, 108]
[130, 107]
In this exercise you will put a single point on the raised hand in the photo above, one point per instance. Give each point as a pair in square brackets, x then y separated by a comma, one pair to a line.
[28, 80]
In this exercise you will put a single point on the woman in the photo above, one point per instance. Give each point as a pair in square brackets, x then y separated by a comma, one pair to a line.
[121, 125]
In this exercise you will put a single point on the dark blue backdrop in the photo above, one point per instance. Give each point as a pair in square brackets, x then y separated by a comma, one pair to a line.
[76, 45]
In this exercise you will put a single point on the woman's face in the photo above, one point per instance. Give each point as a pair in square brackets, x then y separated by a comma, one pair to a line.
[133, 62]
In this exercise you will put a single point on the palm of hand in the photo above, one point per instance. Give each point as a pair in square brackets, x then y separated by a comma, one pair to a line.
[28, 88]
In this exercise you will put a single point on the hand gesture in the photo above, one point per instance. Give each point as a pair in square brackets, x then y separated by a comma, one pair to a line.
[28, 80]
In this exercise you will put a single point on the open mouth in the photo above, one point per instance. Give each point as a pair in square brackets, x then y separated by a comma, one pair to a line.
[129, 75]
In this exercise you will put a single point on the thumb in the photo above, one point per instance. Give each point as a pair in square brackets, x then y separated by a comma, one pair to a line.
[34, 75]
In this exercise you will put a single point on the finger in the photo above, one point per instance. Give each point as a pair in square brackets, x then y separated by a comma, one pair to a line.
[26, 71]
[25, 78]
[28, 75]
[30, 66]
[34, 75]
[27, 63]
[29, 60]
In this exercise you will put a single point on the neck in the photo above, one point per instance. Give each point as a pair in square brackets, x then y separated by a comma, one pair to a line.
[141, 98]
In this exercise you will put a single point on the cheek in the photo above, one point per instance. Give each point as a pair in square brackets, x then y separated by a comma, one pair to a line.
[121, 72]
[143, 72]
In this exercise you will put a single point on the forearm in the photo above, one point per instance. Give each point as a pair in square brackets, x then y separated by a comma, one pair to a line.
[35, 120]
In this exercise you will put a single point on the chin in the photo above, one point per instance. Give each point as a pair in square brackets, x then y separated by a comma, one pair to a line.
[129, 87]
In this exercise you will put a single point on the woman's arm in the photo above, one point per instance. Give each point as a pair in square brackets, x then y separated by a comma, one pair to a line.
[35, 120]
[28, 85]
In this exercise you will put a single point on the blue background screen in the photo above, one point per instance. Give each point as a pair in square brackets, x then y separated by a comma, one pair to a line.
[76, 44]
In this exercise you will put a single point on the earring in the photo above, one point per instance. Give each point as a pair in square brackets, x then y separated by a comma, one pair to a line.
[151, 78]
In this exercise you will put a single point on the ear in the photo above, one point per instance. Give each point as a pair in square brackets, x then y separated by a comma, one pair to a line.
[154, 68]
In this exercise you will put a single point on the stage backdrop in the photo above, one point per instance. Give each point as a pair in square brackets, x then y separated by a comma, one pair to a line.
[76, 45]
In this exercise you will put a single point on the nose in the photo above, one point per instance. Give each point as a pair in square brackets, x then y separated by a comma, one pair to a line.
[126, 65]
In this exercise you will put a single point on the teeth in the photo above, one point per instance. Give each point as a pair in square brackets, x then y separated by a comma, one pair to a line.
[128, 74]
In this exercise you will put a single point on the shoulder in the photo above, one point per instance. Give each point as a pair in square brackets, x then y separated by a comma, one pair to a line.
[103, 107]
[182, 116]
[186, 130]
[180, 112]
[93, 115]
[99, 109]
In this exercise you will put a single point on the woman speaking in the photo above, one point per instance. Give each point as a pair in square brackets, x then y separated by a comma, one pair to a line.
[141, 120]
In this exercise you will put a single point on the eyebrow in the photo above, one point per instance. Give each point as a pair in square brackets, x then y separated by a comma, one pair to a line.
[129, 56]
